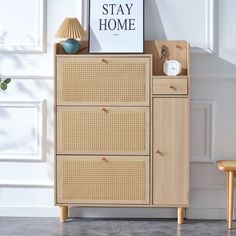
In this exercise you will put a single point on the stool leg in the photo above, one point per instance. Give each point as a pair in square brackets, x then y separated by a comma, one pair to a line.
[180, 213]
[231, 196]
[63, 213]
[227, 195]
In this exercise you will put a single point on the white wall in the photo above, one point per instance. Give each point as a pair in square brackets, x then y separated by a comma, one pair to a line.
[26, 108]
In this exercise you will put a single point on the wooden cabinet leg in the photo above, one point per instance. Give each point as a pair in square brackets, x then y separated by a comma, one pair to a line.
[63, 213]
[180, 214]
[230, 199]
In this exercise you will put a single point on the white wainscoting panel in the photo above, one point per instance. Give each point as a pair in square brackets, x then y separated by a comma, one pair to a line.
[22, 131]
[222, 92]
[189, 19]
[214, 97]
[227, 30]
[24, 30]
[32, 53]
[201, 138]
[27, 143]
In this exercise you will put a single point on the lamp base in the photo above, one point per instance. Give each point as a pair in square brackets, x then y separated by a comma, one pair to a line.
[71, 46]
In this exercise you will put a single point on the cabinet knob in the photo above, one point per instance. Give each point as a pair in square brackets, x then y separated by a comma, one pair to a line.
[179, 47]
[172, 87]
[104, 109]
[104, 159]
[105, 61]
[159, 152]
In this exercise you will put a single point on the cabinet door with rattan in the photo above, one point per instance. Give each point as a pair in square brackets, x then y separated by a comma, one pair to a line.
[102, 180]
[97, 130]
[94, 80]
[171, 151]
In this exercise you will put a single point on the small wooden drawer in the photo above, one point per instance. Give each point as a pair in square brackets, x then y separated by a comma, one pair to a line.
[102, 180]
[170, 86]
[105, 80]
[103, 130]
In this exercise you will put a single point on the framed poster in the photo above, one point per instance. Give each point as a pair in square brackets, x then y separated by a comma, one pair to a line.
[116, 26]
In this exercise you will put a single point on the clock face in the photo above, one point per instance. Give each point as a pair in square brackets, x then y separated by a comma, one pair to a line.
[172, 67]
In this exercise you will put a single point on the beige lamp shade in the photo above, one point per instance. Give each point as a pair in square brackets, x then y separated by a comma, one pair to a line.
[71, 28]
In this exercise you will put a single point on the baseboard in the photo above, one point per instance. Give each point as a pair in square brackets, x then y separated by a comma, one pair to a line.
[192, 213]
[29, 211]
[206, 213]
[123, 212]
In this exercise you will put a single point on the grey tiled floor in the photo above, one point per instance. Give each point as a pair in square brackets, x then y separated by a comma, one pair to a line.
[105, 227]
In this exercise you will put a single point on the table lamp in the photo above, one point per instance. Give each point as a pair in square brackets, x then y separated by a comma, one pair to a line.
[72, 30]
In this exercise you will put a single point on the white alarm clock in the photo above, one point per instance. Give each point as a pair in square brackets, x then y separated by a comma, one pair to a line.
[172, 67]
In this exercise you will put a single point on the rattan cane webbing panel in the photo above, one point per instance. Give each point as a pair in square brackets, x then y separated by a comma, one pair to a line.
[93, 130]
[113, 180]
[116, 81]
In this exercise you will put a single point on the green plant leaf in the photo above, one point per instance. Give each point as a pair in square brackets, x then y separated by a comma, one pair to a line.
[7, 80]
[3, 86]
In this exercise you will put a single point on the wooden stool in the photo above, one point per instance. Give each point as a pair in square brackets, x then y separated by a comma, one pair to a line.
[230, 168]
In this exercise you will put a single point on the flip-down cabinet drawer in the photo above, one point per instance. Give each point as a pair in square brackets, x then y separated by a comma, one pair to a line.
[103, 80]
[100, 130]
[106, 180]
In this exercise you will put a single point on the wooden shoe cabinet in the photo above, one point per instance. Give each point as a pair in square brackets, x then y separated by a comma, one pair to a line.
[122, 130]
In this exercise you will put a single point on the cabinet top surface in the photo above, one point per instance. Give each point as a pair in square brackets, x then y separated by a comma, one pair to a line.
[104, 55]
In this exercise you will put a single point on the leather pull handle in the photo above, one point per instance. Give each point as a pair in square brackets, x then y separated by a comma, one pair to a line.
[105, 61]
[104, 109]
[179, 47]
[104, 159]
[159, 152]
[172, 87]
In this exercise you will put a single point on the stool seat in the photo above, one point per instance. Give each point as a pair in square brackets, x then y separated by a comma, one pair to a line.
[226, 165]
[229, 166]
